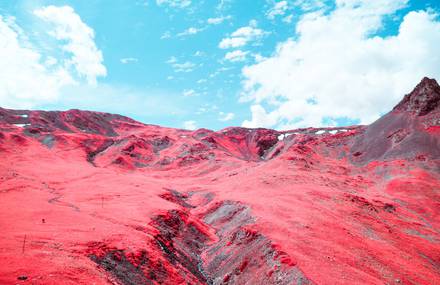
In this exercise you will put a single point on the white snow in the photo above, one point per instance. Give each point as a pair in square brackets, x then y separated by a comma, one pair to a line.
[24, 115]
[21, 125]
[333, 132]
[320, 132]
[281, 137]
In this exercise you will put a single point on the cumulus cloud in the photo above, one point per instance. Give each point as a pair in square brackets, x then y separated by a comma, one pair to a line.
[236, 55]
[174, 3]
[78, 40]
[278, 9]
[26, 76]
[339, 68]
[31, 75]
[224, 117]
[190, 125]
[242, 36]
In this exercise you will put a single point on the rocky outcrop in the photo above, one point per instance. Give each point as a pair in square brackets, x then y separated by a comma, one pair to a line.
[405, 131]
[425, 98]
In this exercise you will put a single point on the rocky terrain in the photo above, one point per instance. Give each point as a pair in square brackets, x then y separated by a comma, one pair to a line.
[95, 198]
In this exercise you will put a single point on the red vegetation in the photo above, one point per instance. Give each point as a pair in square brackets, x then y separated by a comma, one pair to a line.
[94, 198]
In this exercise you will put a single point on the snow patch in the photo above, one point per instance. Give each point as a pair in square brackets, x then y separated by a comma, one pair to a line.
[320, 132]
[281, 137]
[21, 125]
[333, 132]
[24, 115]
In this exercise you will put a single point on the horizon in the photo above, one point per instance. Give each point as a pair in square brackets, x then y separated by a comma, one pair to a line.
[232, 126]
[189, 64]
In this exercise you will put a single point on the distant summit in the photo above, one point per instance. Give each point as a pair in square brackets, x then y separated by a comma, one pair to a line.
[423, 99]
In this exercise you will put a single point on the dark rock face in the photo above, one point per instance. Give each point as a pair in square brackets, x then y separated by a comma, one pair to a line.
[424, 99]
[236, 254]
[115, 262]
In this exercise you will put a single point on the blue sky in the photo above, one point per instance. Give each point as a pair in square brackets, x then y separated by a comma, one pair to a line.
[212, 64]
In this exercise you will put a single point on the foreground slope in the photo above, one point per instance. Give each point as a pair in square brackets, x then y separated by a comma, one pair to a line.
[94, 198]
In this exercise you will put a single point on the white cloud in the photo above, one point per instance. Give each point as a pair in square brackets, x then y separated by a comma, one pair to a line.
[190, 125]
[190, 31]
[260, 118]
[224, 5]
[278, 9]
[26, 76]
[242, 36]
[218, 20]
[171, 60]
[258, 57]
[32, 75]
[207, 108]
[166, 35]
[127, 60]
[288, 19]
[186, 66]
[236, 55]
[232, 42]
[224, 117]
[199, 53]
[50, 61]
[339, 62]
[78, 40]
[174, 3]
[310, 5]
[189, 92]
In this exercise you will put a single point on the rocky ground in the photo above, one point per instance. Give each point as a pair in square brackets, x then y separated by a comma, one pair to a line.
[95, 198]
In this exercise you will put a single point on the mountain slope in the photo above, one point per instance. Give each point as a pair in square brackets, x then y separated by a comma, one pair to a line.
[95, 198]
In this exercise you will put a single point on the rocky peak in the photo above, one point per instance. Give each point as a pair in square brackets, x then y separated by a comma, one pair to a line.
[423, 99]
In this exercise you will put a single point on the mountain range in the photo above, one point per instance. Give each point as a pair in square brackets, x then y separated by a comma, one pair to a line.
[96, 198]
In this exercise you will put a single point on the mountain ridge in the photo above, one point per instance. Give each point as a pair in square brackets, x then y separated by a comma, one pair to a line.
[96, 198]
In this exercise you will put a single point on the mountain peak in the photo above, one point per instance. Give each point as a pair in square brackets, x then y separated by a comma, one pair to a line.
[423, 99]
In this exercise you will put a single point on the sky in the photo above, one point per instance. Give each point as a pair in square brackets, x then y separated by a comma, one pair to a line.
[218, 63]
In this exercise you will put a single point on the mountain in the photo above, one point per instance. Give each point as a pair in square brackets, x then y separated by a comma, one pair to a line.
[96, 198]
